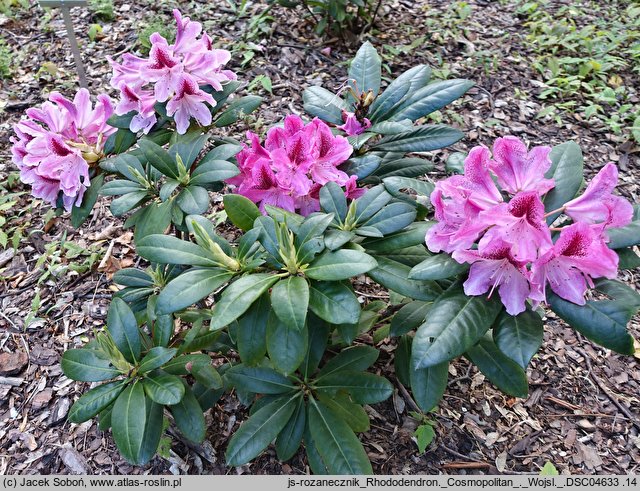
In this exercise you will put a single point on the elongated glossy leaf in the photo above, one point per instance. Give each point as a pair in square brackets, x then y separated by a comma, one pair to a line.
[422, 139]
[334, 302]
[313, 226]
[238, 109]
[404, 86]
[241, 211]
[628, 235]
[395, 276]
[188, 416]
[226, 151]
[162, 330]
[365, 388]
[316, 463]
[404, 168]
[337, 445]
[123, 327]
[371, 203]
[323, 104]
[163, 388]
[155, 218]
[438, 267]
[213, 171]
[410, 256]
[340, 265]
[251, 336]
[602, 321]
[260, 380]
[119, 142]
[333, 200]
[286, 345]
[454, 324]
[255, 434]
[79, 214]
[411, 236]
[334, 239]
[430, 98]
[567, 172]
[188, 149]
[87, 365]
[351, 413]
[362, 166]
[355, 358]
[628, 259]
[289, 439]
[171, 250]
[155, 358]
[190, 287]
[505, 373]
[392, 218]
[132, 277]
[193, 200]
[178, 365]
[94, 401]
[126, 202]
[519, 336]
[409, 317]
[428, 384]
[402, 359]
[139, 425]
[203, 230]
[238, 297]
[318, 338]
[159, 158]
[120, 186]
[207, 376]
[290, 301]
[365, 72]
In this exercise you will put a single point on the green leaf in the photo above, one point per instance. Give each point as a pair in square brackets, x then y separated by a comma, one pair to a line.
[203, 229]
[188, 416]
[549, 469]
[371, 203]
[213, 171]
[155, 358]
[95, 401]
[455, 163]
[208, 376]
[429, 99]
[421, 139]
[365, 72]
[520, 336]
[334, 239]
[287, 346]
[121, 121]
[316, 463]
[424, 436]
[337, 445]
[353, 358]
[362, 166]
[255, 434]
[123, 327]
[119, 142]
[79, 214]
[501, 370]
[163, 388]
[226, 151]
[252, 331]
[162, 330]
[392, 218]
[454, 324]
[159, 158]
[290, 301]
[238, 109]
[628, 235]
[155, 219]
[260, 380]
[87, 365]
[193, 200]
[365, 388]
[334, 302]
[126, 202]
[241, 211]
[313, 226]
[401, 359]
[567, 172]
[406, 84]
[409, 317]
[340, 265]
[190, 287]
[395, 276]
[132, 277]
[289, 439]
[238, 297]
[628, 259]
[351, 413]
[318, 338]
[138, 425]
[428, 384]
[411, 236]
[333, 200]
[438, 267]
[188, 150]
[165, 249]
[178, 366]
[406, 168]
[323, 104]
[602, 321]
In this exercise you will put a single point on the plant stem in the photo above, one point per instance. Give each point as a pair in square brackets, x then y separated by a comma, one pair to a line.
[553, 212]
[373, 18]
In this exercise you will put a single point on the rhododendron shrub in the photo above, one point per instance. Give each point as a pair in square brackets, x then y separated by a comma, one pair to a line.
[294, 163]
[515, 233]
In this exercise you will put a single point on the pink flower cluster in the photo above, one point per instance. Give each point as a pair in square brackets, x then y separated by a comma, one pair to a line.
[175, 73]
[58, 141]
[515, 250]
[294, 163]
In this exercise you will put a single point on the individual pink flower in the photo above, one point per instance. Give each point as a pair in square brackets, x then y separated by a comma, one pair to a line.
[518, 169]
[598, 204]
[579, 255]
[57, 143]
[520, 223]
[328, 152]
[189, 102]
[263, 188]
[494, 266]
[352, 126]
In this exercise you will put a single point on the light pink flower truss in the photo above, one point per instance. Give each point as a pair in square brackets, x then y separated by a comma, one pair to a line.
[294, 163]
[58, 141]
[503, 232]
[176, 73]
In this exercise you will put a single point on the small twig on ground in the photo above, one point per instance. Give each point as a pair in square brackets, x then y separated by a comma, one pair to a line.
[407, 397]
[461, 456]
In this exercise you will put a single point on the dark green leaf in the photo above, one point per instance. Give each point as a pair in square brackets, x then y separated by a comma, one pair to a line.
[429, 99]
[351, 413]
[289, 439]
[286, 345]
[362, 166]
[95, 401]
[402, 360]
[323, 104]
[123, 327]
[188, 150]
[188, 417]
[213, 171]
[159, 158]
[119, 142]
[241, 211]
[178, 366]
[290, 301]
[392, 218]
[626, 236]
[354, 358]
[365, 388]
[428, 384]
[438, 267]
[411, 236]
[365, 72]
[193, 200]
[80, 213]
[165, 249]
[260, 380]
[333, 200]
[155, 219]
[126, 202]
[404, 168]
[455, 163]
[340, 265]
[519, 336]
[318, 338]
[421, 139]
[208, 376]
[155, 358]
[395, 276]
[409, 317]
[567, 172]
[163, 388]
[190, 287]
[371, 203]
[628, 259]
[252, 331]
[334, 302]
[162, 330]
[334, 239]
[132, 277]
[405, 85]
[238, 109]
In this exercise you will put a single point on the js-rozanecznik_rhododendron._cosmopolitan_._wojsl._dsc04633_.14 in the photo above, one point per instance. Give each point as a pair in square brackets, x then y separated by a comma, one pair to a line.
[493, 218]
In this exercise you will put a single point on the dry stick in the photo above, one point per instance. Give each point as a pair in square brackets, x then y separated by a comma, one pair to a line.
[407, 397]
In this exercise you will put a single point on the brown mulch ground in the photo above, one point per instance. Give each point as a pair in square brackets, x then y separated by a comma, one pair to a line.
[582, 411]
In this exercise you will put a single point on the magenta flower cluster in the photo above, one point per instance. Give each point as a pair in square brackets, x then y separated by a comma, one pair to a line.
[515, 250]
[176, 73]
[294, 163]
[57, 142]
